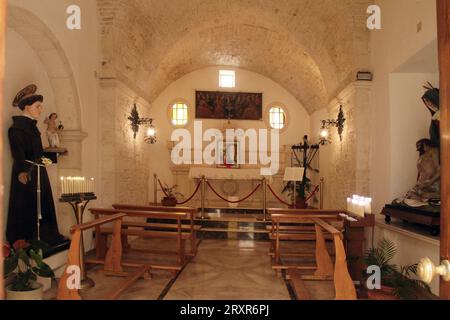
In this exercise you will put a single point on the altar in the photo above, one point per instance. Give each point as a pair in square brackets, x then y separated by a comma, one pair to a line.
[225, 174]
[235, 183]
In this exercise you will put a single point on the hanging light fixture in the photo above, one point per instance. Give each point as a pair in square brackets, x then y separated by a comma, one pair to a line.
[136, 121]
[150, 136]
[326, 124]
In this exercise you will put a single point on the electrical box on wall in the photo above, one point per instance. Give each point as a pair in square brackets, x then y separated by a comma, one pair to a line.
[364, 76]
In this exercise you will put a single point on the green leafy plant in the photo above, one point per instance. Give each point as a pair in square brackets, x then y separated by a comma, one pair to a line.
[25, 261]
[399, 278]
[170, 191]
[302, 188]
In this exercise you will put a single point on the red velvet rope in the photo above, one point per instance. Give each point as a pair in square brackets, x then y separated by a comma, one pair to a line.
[186, 201]
[217, 194]
[313, 193]
[278, 198]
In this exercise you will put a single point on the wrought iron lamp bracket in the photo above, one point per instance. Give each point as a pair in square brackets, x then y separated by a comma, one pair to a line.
[137, 121]
[338, 123]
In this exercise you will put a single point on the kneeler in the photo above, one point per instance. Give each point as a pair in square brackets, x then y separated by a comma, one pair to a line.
[112, 263]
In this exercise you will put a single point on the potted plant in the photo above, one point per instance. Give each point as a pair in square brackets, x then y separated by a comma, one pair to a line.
[397, 282]
[301, 190]
[24, 262]
[170, 199]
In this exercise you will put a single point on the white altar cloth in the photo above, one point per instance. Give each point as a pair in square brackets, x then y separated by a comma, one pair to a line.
[225, 174]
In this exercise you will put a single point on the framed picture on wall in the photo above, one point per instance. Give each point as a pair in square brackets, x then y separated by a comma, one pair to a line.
[228, 105]
[229, 155]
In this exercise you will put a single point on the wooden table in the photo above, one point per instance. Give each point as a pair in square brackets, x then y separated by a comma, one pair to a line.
[428, 216]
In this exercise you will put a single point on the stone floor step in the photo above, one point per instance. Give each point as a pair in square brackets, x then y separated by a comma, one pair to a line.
[241, 230]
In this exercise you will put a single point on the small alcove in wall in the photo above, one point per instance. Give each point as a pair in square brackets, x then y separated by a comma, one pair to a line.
[409, 122]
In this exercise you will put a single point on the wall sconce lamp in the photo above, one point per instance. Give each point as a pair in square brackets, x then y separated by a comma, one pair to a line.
[136, 121]
[326, 124]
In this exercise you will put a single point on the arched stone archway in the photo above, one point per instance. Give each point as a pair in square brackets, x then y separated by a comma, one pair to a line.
[50, 52]
[311, 48]
[47, 47]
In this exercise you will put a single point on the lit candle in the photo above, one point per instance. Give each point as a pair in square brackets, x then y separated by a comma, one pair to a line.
[354, 206]
[361, 206]
[349, 203]
[368, 206]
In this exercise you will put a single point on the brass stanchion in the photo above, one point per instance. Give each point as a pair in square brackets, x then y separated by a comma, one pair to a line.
[203, 195]
[264, 190]
[322, 183]
[155, 191]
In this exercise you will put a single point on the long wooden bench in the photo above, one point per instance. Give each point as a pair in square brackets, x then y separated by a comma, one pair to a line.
[295, 225]
[326, 270]
[113, 265]
[190, 211]
[177, 233]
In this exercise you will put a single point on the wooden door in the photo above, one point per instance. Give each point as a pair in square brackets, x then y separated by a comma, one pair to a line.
[443, 12]
[3, 5]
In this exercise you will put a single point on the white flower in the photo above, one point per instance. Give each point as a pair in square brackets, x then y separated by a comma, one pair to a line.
[46, 161]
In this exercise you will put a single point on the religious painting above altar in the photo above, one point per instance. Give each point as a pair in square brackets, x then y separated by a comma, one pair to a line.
[228, 105]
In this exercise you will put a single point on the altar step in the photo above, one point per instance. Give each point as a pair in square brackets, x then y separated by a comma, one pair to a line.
[238, 225]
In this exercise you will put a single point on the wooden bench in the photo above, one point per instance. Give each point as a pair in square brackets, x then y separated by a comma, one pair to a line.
[112, 263]
[191, 227]
[325, 270]
[175, 232]
[295, 225]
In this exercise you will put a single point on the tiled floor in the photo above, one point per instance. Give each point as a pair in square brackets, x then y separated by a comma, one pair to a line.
[222, 270]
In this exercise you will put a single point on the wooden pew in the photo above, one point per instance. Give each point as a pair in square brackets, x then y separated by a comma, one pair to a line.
[112, 263]
[295, 225]
[324, 269]
[177, 234]
[192, 228]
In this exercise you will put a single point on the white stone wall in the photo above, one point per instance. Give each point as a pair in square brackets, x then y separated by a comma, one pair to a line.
[345, 165]
[124, 161]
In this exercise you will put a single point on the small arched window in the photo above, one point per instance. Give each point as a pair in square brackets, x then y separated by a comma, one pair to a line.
[277, 117]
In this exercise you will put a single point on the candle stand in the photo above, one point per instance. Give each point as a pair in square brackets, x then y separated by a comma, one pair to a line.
[78, 202]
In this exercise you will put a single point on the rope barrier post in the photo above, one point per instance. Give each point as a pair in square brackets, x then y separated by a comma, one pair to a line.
[322, 183]
[155, 189]
[203, 195]
[264, 191]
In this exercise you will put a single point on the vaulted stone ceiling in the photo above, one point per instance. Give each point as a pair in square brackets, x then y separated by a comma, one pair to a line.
[313, 48]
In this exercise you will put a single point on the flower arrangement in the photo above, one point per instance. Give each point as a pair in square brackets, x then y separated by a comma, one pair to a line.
[25, 261]
[46, 161]
[170, 198]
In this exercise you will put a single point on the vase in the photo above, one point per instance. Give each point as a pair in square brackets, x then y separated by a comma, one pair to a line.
[300, 203]
[385, 293]
[35, 294]
[169, 202]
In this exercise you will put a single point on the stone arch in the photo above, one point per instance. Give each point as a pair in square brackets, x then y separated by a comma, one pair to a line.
[302, 76]
[330, 42]
[47, 47]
